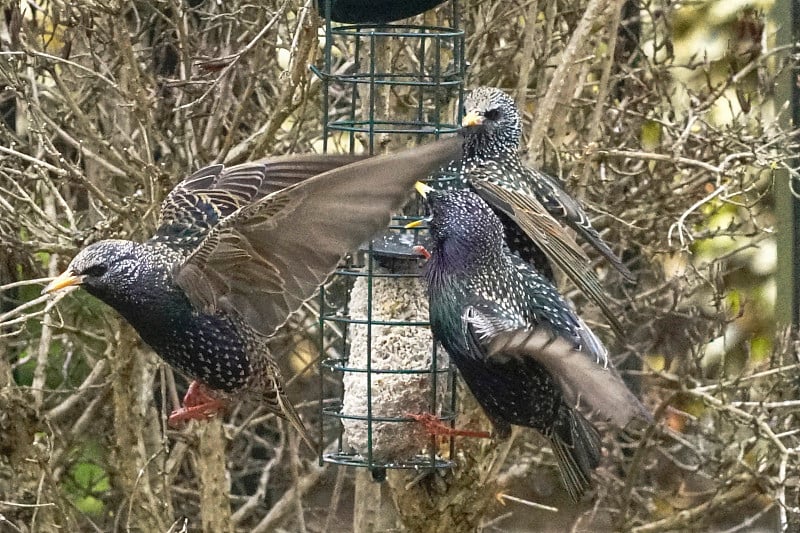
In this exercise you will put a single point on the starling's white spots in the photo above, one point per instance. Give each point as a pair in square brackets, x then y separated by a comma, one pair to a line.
[477, 288]
[469, 264]
[491, 154]
[136, 280]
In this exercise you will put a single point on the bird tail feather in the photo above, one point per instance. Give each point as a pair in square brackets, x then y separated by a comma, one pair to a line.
[576, 445]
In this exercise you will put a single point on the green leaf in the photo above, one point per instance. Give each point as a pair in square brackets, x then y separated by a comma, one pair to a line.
[90, 505]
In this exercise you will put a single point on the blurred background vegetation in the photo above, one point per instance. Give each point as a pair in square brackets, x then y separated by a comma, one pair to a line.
[662, 116]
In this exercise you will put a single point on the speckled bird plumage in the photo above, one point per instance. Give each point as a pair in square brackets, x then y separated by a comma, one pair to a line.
[487, 307]
[215, 348]
[533, 206]
[235, 254]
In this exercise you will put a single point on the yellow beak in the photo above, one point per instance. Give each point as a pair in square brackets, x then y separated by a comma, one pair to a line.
[422, 189]
[67, 279]
[471, 119]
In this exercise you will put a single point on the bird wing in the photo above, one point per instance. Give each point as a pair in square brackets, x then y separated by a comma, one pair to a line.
[200, 201]
[482, 320]
[561, 205]
[531, 216]
[268, 257]
[595, 390]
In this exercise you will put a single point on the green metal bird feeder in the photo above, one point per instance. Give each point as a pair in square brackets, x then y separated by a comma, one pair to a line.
[386, 87]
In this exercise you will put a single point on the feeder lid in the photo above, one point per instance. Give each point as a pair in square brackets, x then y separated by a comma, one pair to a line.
[375, 11]
[394, 245]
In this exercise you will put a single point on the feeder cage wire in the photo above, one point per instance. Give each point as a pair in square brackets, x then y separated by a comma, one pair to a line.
[386, 86]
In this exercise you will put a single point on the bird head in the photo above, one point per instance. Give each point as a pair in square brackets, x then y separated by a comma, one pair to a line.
[461, 223]
[491, 116]
[105, 269]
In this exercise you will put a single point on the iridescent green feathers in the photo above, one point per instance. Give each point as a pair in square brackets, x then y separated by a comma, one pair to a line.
[527, 357]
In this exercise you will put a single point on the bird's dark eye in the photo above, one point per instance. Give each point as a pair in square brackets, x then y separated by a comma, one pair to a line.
[492, 114]
[95, 271]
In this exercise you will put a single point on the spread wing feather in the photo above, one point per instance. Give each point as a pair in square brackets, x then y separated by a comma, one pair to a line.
[268, 257]
[553, 240]
[561, 205]
[593, 388]
[202, 200]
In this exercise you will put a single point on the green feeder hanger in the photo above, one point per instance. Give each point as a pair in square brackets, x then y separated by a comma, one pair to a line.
[386, 87]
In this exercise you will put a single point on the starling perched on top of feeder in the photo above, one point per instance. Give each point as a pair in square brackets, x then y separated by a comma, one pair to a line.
[528, 359]
[533, 206]
[231, 260]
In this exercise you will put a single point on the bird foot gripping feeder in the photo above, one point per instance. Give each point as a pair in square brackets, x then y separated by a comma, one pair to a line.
[385, 87]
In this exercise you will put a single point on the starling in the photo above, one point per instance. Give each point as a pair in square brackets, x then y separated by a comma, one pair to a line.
[532, 205]
[232, 259]
[528, 359]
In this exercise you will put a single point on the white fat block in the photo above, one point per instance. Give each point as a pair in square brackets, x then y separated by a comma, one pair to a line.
[393, 347]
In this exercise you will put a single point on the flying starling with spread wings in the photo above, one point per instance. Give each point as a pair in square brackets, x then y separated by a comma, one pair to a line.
[232, 259]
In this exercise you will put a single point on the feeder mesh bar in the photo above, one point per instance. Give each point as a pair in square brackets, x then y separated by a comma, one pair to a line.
[386, 87]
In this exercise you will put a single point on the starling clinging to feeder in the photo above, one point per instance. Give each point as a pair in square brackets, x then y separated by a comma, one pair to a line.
[525, 355]
[532, 205]
[231, 260]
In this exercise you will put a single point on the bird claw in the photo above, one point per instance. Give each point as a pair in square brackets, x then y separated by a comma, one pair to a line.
[421, 250]
[198, 412]
[198, 404]
[435, 427]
